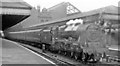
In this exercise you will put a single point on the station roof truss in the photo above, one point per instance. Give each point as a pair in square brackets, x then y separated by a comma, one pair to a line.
[71, 9]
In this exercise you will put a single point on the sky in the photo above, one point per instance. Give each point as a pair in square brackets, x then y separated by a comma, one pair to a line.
[82, 5]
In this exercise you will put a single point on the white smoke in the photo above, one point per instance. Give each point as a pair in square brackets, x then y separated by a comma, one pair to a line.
[75, 21]
[72, 24]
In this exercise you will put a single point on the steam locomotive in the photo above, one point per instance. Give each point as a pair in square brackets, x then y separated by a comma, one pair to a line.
[84, 42]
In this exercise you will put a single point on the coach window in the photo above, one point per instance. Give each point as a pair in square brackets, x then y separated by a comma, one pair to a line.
[46, 20]
[42, 20]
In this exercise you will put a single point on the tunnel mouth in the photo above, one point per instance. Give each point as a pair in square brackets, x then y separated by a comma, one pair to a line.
[9, 20]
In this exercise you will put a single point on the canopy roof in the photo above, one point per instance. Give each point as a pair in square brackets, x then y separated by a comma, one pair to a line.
[108, 9]
[14, 3]
[17, 7]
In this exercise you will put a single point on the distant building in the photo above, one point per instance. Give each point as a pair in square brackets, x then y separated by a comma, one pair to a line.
[44, 15]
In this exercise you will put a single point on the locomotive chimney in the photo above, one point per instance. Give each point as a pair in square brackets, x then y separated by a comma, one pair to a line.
[38, 8]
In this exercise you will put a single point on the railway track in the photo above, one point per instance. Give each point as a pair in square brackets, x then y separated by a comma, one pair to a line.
[53, 57]
[60, 60]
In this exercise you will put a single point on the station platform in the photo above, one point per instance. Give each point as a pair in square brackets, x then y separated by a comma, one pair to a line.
[13, 53]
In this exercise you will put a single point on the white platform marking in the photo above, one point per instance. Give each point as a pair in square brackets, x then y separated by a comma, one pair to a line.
[34, 53]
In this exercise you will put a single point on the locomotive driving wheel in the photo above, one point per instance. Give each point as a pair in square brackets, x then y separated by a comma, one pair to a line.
[84, 56]
[71, 54]
[76, 56]
[93, 58]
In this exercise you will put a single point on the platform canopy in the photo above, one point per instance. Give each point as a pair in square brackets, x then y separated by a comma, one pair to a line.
[12, 12]
[108, 13]
[16, 7]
